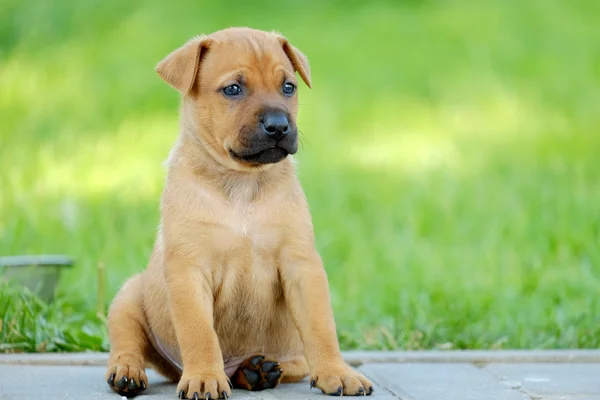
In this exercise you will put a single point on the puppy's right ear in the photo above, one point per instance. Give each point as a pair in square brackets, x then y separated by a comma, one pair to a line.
[179, 68]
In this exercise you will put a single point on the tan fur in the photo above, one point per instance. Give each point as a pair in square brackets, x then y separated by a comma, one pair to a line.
[234, 270]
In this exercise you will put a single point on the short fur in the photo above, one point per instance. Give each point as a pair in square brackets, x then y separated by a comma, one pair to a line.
[234, 270]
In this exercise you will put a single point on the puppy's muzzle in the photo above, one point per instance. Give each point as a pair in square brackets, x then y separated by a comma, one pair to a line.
[270, 141]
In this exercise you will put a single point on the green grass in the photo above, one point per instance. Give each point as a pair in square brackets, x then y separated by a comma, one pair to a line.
[29, 324]
[451, 160]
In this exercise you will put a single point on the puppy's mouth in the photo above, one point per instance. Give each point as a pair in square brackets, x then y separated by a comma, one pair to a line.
[269, 155]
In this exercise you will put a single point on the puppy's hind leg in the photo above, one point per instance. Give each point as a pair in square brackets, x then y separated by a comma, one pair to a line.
[294, 370]
[129, 343]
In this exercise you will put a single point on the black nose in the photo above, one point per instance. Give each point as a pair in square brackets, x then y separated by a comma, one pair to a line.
[275, 124]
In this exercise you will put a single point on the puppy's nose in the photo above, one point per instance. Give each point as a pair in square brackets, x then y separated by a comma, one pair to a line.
[275, 124]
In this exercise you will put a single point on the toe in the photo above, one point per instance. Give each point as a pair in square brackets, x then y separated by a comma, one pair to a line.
[272, 379]
[338, 392]
[331, 385]
[224, 391]
[268, 366]
[251, 376]
[274, 376]
[211, 389]
[254, 361]
[365, 383]
[352, 386]
[194, 386]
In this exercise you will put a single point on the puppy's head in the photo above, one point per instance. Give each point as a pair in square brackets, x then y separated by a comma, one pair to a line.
[239, 89]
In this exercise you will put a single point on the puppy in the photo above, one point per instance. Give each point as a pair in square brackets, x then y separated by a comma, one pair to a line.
[235, 294]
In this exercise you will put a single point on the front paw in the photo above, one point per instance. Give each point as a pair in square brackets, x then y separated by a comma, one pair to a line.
[204, 386]
[127, 378]
[341, 380]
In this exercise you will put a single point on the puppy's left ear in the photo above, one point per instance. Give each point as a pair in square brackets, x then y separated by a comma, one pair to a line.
[299, 60]
[179, 69]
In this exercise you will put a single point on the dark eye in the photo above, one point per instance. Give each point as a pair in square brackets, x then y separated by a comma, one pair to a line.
[232, 90]
[288, 89]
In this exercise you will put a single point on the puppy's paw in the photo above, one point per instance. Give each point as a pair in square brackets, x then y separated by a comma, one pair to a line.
[127, 379]
[341, 380]
[204, 386]
[257, 373]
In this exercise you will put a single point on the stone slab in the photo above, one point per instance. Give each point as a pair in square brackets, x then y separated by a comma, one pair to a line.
[474, 356]
[408, 381]
[561, 381]
[358, 357]
[439, 382]
[87, 383]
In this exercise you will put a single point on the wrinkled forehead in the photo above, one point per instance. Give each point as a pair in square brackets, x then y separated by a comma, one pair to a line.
[245, 58]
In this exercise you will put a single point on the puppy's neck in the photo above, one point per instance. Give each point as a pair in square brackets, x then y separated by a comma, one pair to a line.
[189, 156]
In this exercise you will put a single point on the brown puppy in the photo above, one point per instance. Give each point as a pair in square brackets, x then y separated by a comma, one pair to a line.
[234, 287]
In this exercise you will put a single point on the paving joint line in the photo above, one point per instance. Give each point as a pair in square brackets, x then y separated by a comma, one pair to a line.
[502, 381]
[400, 396]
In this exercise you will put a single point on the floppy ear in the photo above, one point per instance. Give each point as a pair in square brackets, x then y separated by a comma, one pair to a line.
[179, 68]
[299, 60]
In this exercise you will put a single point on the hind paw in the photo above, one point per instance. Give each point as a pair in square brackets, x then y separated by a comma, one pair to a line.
[257, 373]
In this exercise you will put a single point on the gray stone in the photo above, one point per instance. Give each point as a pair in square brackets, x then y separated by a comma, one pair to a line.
[566, 397]
[439, 382]
[87, 382]
[473, 356]
[85, 358]
[567, 380]
[356, 357]
[72, 376]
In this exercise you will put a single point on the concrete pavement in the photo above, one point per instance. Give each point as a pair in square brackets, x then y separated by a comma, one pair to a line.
[435, 375]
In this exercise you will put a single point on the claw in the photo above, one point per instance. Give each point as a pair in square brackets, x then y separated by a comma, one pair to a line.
[111, 379]
[312, 383]
[361, 391]
[122, 384]
[132, 386]
[181, 394]
[230, 384]
[143, 385]
[196, 396]
[224, 394]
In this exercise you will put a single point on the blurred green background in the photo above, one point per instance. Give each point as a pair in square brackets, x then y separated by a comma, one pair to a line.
[451, 159]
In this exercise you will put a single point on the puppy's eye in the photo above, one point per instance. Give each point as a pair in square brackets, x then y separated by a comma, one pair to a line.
[232, 90]
[288, 89]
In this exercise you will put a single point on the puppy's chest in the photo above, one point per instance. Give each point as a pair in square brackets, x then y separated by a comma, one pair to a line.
[245, 228]
[247, 276]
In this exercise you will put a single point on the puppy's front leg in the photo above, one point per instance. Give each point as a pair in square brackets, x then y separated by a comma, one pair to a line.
[191, 306]
[307, 297]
